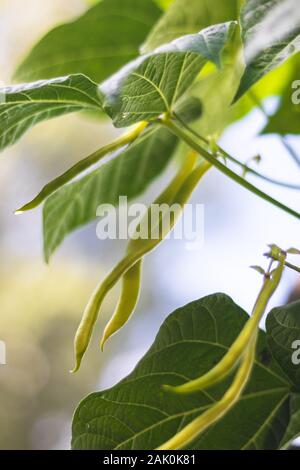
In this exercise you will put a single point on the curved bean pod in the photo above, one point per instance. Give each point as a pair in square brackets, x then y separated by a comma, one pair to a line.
[81, 166]
[225, 366]
[215, 412]
[131, 283]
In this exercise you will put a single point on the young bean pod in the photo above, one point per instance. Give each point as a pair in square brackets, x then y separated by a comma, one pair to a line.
[81, 166]
[225, 366]
[136, 249]
[130, 291]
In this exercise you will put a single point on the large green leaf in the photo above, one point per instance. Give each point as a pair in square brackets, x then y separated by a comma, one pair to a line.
[97, 44]
[283, 325]
[137, 414]
[24, 106]
[190, 16]
[128, 174]
[152, 84]
[271, 35]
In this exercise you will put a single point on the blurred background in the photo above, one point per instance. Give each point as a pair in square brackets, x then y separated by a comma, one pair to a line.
[40, 305]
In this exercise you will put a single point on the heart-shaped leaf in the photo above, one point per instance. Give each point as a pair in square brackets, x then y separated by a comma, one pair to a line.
[138, 414]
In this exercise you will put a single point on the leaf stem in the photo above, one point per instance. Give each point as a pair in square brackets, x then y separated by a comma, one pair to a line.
[292, 266]
[187, 138]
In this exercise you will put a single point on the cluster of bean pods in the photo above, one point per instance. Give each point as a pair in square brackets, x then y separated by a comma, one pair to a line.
[129, 268]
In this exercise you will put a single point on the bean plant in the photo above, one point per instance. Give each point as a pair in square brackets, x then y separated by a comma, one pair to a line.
[174, 75]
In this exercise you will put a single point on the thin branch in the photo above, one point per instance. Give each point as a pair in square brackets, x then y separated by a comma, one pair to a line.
[246, 168]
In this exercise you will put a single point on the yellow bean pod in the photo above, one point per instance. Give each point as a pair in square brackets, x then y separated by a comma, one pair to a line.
[215, 412]
[136, 249]
[131, 283]
[229, 361]
[131, 280]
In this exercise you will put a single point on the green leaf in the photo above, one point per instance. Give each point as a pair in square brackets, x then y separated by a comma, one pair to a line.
[152, 84]
[283, 328]
[190, 16]
[97, 44]
[226, 80]
[138, 414]
[287, 117]
[271, 35]
[293, 429]
[128, 174]
[26, 105]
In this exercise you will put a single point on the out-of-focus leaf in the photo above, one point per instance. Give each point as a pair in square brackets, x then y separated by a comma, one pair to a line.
[190, 16]
[270, 38]
[127, 174]
[286, 119]
[97, 44]
[152, 84]
[23, 106]
[164, 3]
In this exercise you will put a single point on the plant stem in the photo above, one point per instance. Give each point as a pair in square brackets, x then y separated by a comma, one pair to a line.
[292, 266]
[246, 168]
[182, 134]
